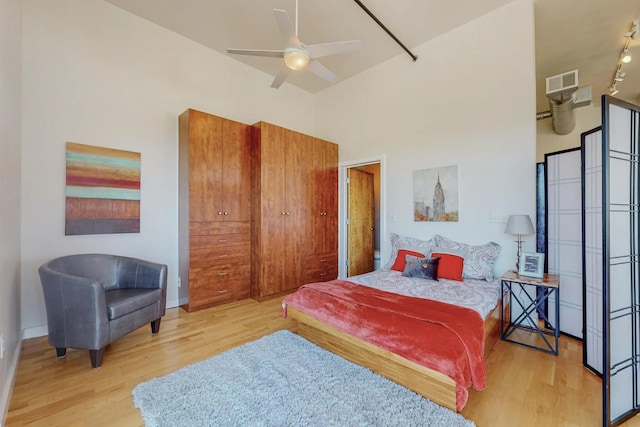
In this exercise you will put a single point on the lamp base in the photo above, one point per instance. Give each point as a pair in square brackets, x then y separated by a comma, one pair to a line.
[519, 242]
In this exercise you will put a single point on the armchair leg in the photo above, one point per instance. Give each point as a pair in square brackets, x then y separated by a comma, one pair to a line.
[155, 326]
[61, 351]
[96, 357]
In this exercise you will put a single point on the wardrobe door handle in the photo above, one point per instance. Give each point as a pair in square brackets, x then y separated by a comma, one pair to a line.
[224, 291]
[223, 256]
[224, 273]
[223, 240]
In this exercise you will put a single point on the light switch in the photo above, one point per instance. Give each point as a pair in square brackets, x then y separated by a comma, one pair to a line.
[498, 217]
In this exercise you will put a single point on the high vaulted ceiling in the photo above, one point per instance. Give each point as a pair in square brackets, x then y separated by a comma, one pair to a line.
[587, 35]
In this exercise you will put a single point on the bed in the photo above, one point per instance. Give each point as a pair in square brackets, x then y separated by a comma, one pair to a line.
[397, 325]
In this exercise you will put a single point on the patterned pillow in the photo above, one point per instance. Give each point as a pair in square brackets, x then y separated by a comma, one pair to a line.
[416, 245]
[479, 260]
[424, 268]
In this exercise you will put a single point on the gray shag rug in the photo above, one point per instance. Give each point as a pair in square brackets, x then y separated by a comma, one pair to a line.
[283, 380]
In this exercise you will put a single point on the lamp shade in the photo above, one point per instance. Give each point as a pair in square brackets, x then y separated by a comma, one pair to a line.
[519, 224]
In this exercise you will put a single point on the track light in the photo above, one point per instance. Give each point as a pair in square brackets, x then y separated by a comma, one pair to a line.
[613, 89]
[625, 56]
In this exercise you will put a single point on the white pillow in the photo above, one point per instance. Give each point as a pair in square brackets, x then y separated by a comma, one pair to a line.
[479, 260]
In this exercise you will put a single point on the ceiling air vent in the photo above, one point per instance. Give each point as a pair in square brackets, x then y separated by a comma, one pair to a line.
[562, 84]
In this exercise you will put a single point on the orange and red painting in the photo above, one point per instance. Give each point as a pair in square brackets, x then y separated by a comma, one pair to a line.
[102, 191]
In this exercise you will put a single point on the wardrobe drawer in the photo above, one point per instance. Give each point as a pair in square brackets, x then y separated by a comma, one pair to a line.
[321, 260]
[218, 241]
[205, 228]
[324, 274]
[220, 293]
[218, 273]
[228, 254]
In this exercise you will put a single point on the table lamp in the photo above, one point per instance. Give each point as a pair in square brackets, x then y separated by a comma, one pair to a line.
[519, 225]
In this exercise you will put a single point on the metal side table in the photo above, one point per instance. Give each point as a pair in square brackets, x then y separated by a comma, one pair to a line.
[543, 337]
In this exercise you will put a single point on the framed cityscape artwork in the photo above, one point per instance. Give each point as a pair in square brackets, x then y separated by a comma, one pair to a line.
[435, 194]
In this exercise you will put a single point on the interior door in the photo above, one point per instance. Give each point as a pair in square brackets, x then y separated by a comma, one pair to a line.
[360, 222]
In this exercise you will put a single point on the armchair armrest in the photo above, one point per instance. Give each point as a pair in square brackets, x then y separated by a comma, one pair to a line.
[76, 310]
[136, 273]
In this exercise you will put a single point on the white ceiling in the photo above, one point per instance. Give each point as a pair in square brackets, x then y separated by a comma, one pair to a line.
[587, 35]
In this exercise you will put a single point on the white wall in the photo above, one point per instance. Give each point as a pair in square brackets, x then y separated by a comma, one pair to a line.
[469, 101]
[548, 141]
[95, 74]
[10, 85]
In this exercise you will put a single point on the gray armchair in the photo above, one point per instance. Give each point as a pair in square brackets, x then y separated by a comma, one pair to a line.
[94, 299]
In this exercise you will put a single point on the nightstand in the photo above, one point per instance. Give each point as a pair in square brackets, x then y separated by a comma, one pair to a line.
[526, 328]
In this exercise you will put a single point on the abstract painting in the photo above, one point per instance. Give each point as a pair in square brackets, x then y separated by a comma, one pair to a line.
[102, 190]
[435, 194]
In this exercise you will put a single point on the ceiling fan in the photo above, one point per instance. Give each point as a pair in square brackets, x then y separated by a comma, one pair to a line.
[297, 55]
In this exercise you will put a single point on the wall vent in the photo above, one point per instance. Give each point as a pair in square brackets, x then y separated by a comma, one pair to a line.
[562, 83]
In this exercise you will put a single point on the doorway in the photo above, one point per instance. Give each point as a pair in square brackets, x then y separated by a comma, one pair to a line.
[360, 242]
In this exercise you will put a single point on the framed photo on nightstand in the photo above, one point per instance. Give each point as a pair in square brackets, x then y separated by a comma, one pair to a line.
[531, 264]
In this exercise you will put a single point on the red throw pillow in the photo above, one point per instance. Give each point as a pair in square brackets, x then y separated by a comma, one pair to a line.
[450, 266]
[398, 265]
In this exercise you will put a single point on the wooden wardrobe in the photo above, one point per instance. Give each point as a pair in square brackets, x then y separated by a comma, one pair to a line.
[295, 209]
[214, 210]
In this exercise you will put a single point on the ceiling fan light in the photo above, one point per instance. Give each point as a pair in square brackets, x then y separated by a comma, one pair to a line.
[296, 59]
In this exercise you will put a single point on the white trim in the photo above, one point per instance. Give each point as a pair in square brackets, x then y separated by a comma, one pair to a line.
[342, 209]
[7, 387]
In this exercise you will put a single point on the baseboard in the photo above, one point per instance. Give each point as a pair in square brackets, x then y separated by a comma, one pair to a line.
[7, 387]
[38, 331]
[175, 303]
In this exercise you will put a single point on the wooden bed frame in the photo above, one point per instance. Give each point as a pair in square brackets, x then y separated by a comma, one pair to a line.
[431, 384]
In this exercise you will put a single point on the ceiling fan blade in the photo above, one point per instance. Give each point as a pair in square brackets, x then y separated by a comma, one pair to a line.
[258, 52]
[325, 49]
[280, 77]
[321, 71]
[286, 28]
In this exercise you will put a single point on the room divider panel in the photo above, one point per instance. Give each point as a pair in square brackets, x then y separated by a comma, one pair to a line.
[621, 259]
[564, 236]
[592, 346]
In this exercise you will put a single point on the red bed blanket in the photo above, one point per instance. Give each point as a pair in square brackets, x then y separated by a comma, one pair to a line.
[443, 337]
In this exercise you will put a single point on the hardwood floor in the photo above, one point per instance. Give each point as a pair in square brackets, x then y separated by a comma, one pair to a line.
[525, 387]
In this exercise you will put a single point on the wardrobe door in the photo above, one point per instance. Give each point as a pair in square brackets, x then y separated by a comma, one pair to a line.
[297, 213]
[205, 166]
[236, 172]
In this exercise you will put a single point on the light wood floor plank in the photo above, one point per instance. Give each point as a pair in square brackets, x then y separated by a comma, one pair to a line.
[525, 387]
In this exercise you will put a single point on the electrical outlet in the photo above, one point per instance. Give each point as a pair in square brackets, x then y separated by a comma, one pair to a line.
[179, 282]
[2, 347]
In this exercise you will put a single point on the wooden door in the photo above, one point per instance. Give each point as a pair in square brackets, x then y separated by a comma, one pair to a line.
[236, 172]
[205, 166]
[361, 220]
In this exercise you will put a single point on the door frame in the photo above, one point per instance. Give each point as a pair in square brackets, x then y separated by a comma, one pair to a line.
[342, 209]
